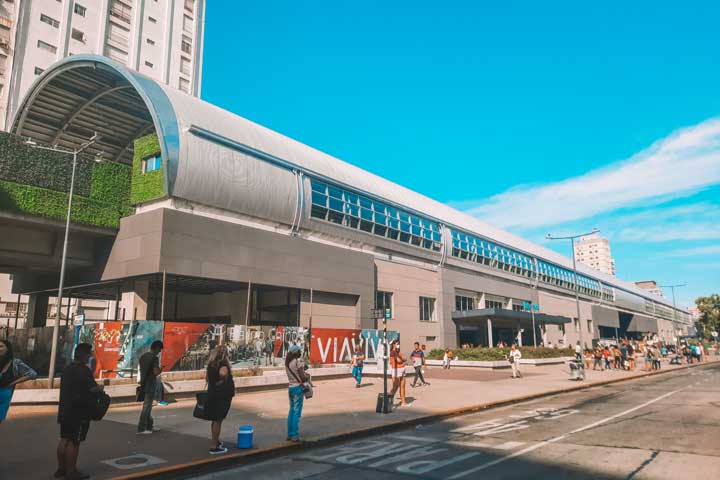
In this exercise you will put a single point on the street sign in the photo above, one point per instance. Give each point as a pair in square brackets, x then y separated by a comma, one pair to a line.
[79, 320]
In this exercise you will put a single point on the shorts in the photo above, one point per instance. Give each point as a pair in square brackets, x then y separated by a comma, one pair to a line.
[74, 430]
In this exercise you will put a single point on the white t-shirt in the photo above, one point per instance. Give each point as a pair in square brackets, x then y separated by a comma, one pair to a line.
[293, 368]
[516, 355]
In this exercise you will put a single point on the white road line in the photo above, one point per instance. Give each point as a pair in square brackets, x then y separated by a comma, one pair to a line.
[557, 439]
[415, 439]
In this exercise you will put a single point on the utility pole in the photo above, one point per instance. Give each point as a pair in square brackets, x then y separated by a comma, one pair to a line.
[572, 239]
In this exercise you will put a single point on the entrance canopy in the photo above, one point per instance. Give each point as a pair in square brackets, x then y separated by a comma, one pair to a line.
[473, 318]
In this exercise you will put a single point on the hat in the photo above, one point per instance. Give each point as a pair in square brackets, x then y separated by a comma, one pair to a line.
[294, 349]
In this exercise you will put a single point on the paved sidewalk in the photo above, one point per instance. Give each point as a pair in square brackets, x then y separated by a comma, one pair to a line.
[30, 434]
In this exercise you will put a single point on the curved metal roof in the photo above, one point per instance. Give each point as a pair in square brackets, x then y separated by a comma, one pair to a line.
[215, 157]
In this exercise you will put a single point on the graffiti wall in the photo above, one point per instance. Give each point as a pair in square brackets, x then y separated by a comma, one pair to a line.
[330, 345]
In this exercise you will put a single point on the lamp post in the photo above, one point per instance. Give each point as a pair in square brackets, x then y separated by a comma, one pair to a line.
[56, 326]
[575, 279]
[674, 320]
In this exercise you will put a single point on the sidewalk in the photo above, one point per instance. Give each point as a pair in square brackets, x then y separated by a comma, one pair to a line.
[29, 436]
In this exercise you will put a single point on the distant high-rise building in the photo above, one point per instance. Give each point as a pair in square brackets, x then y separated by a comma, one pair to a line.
[651, 286]
[594, 251]
[161, 39]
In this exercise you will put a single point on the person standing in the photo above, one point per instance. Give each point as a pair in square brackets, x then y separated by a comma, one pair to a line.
[631, 356]
[598, 356]
[296, 391]
[13, 372]
[77, 387]
[578, 351]
[149, 370]
[514, 358]
[269, 350]
[447, 358]
[356, 362]
[397, 364]
[418, 360]
[221, 390]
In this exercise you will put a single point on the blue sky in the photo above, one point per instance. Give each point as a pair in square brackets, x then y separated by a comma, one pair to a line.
[539, 117]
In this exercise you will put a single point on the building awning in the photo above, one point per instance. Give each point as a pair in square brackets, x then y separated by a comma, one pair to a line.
[641, 323]
[605, 317]
[473, 317]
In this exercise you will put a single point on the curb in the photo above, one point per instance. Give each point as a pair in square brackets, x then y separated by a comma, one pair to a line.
[240, 459]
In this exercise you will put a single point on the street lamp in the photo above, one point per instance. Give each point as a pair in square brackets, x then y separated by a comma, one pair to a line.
[53, 348]
[575, 279]
[674, 320]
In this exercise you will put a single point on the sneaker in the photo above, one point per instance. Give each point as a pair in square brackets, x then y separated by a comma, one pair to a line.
[296, 440]
[59, 473]
[219, 450]
[77, 475]
[154, 429]
[145, 432]
[163, 403]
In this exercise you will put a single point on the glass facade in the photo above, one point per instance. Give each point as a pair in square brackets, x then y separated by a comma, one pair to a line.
[474, 249]
[351, 210]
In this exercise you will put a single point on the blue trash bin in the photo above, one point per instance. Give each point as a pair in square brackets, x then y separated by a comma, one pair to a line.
[245, 436]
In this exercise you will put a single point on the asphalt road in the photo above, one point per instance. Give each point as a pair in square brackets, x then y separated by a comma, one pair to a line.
[663, 427]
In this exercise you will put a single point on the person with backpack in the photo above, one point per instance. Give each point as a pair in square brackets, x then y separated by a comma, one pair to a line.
[149, 364]
[77, 393]
[13, 372]
[220, 390]
[356, 362]
[297, 378]
[418, 358]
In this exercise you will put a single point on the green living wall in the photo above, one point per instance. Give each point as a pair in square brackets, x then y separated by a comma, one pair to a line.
[36, 182]
[151, 185]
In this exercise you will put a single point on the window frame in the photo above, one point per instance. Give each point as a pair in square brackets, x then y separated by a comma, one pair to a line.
[427, 312]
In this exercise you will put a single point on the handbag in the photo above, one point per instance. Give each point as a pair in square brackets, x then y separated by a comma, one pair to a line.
[98, 406]
[201, 406]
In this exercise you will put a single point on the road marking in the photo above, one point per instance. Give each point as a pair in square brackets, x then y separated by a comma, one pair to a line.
[415, 439]
[557, 439]
[502, 446]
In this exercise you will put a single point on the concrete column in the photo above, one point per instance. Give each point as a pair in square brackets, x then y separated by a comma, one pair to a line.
[489, 328]
[37, 312]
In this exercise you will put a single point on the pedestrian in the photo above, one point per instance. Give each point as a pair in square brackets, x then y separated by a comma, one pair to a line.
[356, 362]
[598, 356]
[631, 356]
[296, 391]
[578, 351]
[220, 390]
[418, 360]
[149, 364]
[397, 364]
[617, 354]
[13, 372]
[77, 388]
[588, 358]
[514, 359]
[606, 356]
[648, 359]
[656, 358]
[447, 358]
[269, 350]
[623, 355]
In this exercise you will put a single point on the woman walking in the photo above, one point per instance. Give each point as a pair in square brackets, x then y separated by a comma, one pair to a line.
[397, 364]
[296, 392]
[221, 390]
[13, 371]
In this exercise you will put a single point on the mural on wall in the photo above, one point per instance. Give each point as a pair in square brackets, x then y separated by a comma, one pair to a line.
[331, 345]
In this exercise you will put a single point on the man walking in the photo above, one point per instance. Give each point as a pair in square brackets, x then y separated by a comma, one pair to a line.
[357, 362]
[77, 387]
[514, 359]
[149, 371]
[418, 360]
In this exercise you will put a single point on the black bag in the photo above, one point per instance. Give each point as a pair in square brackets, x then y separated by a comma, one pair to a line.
[98, 406]
[140, 393]
[201, 406]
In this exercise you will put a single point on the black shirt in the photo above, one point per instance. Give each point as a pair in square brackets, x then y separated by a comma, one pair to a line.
[75, 395]
[148, 363]
[217, 386]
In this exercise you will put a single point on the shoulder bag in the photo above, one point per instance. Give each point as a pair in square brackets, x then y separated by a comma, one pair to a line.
[306, 386]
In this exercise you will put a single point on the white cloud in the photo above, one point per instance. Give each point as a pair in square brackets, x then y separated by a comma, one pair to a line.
[691, 252]
[681, 164]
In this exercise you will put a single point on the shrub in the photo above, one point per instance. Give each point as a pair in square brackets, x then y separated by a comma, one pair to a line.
[496, 354]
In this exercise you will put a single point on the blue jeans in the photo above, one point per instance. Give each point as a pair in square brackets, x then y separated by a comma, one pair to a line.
[296, 397]
[357, 373]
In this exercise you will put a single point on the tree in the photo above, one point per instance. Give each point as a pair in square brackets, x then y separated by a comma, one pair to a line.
[709, 314]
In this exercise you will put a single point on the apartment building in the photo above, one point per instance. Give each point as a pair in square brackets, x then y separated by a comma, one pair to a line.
[651, 286]
[162, 39]
[594, 251]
